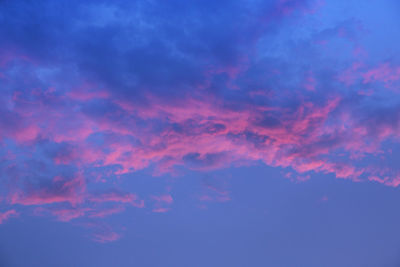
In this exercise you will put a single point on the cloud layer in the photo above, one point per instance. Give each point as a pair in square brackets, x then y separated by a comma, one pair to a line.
[91, 92]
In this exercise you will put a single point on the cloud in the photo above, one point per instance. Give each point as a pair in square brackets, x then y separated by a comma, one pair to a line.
[4, 216]
[106, 212]
[106, 237]
[117, 196]
[162, 203]
[102, 233]
[59, 190]
[99, 91]
[66, 215]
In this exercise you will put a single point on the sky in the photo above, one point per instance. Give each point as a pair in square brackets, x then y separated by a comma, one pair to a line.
[199, 133]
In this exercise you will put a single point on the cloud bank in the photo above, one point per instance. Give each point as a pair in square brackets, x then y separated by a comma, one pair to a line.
[91, 91]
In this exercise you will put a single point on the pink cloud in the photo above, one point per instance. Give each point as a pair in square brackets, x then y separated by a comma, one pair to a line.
[162, 203]
[384, 73]
[106, 212]
[214, 190]
[4, 216]
[160, 210]
[66, 215]
[310, 82]
[10, 55]
[307, 120]
[87, 91]
[116, 196]
[207, 145]
[27, 134]
[201, 133]
[106, 237]
[60, 190]
[163, 198]
[378, 179]
[107, 133]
